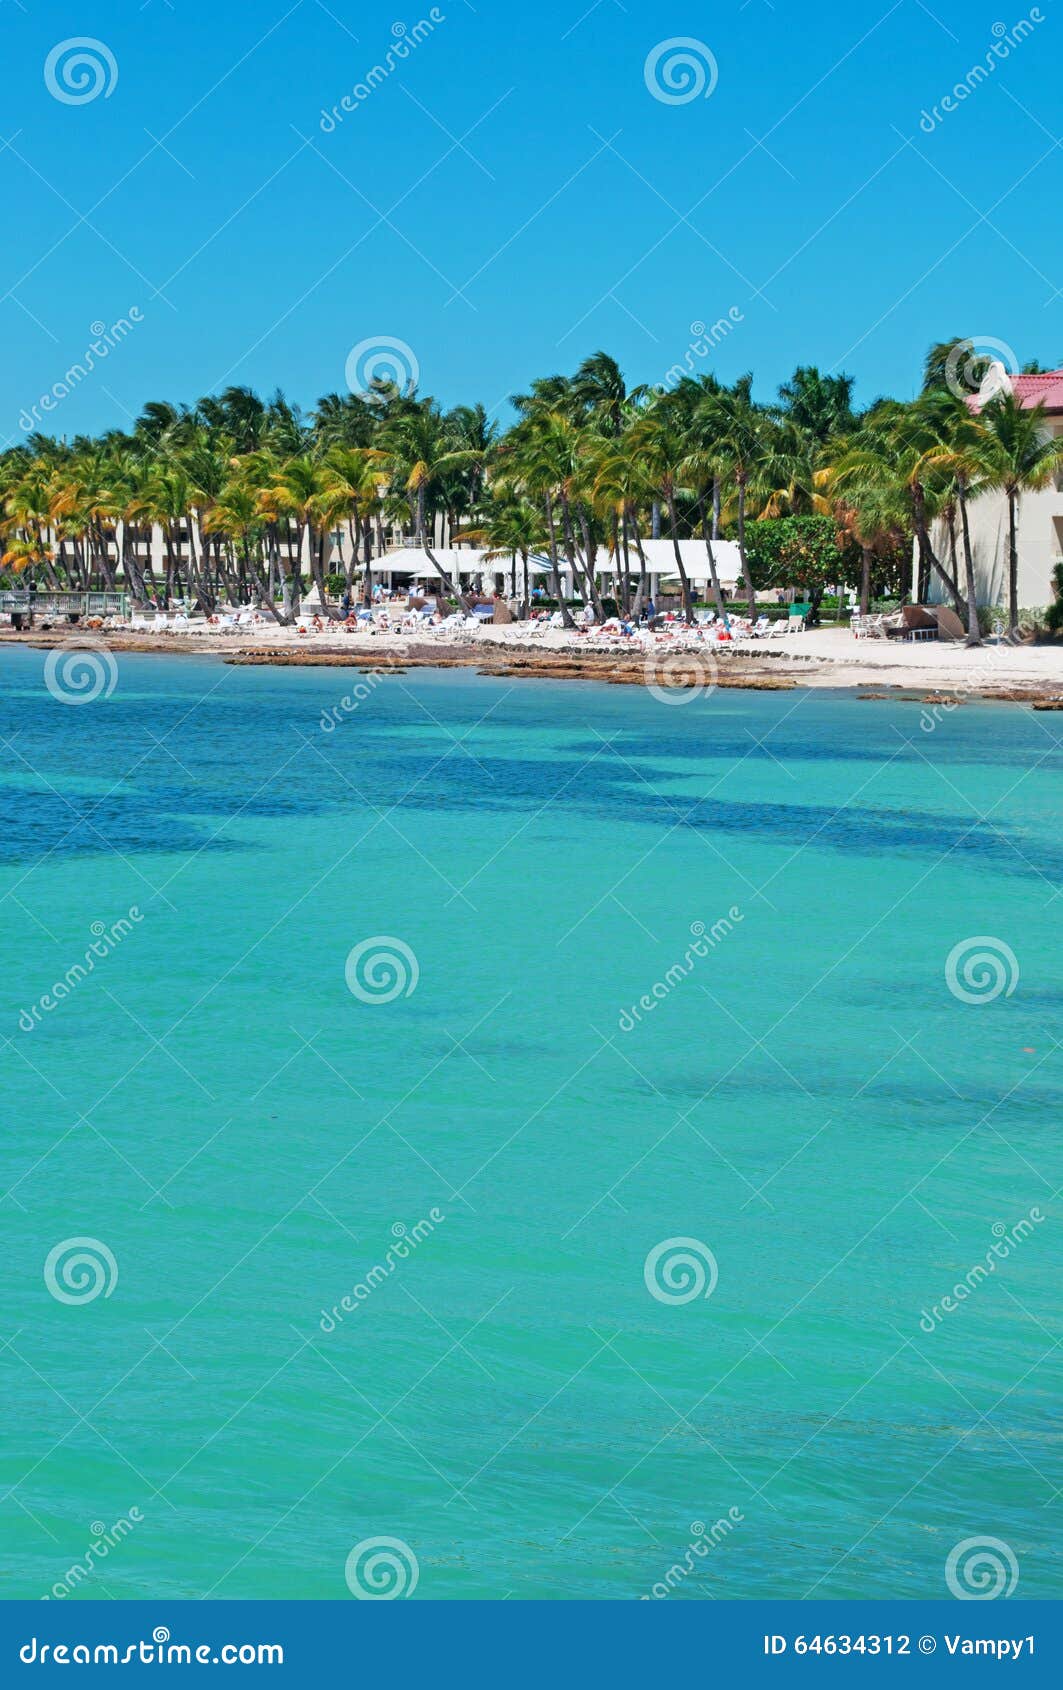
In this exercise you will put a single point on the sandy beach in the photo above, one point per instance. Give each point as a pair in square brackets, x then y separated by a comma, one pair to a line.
[818, 658]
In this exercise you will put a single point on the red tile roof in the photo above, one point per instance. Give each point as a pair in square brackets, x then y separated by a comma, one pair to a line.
[1045, 389]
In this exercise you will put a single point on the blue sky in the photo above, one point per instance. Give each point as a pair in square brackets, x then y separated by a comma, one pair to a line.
[512, 196]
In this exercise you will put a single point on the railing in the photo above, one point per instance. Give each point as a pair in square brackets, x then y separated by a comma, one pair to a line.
[24, 603]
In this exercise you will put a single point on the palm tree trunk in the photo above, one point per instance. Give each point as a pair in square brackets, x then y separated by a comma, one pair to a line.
[584, 574]
[643, 592]
[1013, 565]
[974, 633]
[688, 608]
[171, 582]
[263, 593]
[621, 559]
[106, 566]
[717, 595]
[927, 555]
[590, 549]
[315, 549]
[367, 563]
[717, 506]
[453, 587]
[277, 572]
[354, 535]
[295, 561]
[130, 566]
[865, 580]
[555, 573]
[747, 578]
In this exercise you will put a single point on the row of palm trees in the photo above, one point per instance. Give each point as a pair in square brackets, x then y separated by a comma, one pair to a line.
[249, 495]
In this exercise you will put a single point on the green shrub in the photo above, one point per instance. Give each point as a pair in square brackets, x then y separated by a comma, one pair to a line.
[1054, 613]
[1035, 621]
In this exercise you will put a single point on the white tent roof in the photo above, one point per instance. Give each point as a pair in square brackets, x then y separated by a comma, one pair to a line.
[660, 560]
[411, 560]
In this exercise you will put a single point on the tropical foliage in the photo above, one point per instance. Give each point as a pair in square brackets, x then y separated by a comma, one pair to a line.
[250, 499]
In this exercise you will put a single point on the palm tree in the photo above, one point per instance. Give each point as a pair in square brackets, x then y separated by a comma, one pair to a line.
[301, 487]
[417, 444]
[598, 389]
[237, 516]
[890, 456]
[658, 434]
[356, 477]
[961, 450]
[1021, 456]
[541, 463]
[512, 527]
[821, 406]
[623, 486]
[739, 430]
[945, 355]
[702, 466]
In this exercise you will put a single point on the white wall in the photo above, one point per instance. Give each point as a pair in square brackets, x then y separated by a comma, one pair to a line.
[1040, 536]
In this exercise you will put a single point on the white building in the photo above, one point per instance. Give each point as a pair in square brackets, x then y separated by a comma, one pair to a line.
[1040, 515]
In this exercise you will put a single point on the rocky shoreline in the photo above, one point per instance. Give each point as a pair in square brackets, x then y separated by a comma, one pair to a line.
[755, 669]
[608, 667]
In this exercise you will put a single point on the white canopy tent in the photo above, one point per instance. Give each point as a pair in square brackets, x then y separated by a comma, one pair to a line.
[461, 564]
[409, 563]
[661, 564]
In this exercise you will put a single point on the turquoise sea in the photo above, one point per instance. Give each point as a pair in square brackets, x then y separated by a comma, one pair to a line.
[488, 1142]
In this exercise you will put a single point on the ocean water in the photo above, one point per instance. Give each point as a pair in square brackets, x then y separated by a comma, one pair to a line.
[503, 1149]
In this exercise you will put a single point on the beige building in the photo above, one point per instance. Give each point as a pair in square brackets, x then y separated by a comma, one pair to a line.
[1040, 520]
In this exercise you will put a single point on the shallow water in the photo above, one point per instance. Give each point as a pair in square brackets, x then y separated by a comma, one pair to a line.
[808, 1101]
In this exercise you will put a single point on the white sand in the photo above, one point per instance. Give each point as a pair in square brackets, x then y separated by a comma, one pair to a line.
[824, 657]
